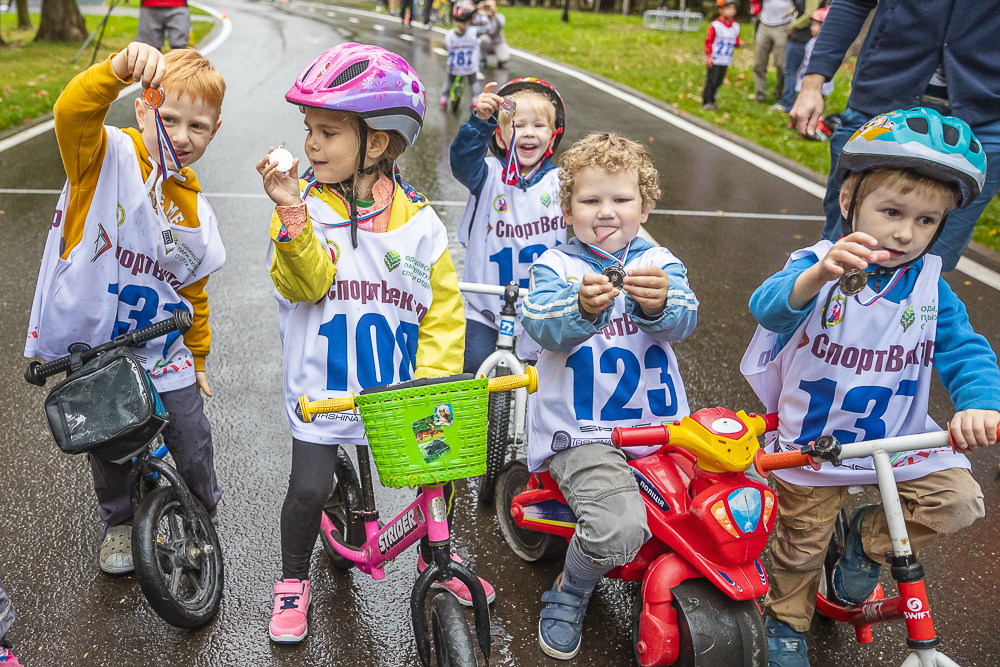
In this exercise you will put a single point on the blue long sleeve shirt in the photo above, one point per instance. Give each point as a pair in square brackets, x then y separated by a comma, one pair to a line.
[963, 359]
[469, 152]
[907, 41]
[551, 315]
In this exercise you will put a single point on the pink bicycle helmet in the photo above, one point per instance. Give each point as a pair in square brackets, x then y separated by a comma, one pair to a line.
[376, 84]
[463, 10]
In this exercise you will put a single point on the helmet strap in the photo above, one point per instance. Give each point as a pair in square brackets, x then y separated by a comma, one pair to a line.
[552, 142]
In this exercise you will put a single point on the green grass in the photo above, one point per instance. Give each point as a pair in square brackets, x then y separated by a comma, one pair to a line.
[34, 74]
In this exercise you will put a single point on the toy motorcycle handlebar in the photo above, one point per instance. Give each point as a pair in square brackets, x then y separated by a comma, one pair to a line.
[181, 321]
[306, 408]
[657, 436]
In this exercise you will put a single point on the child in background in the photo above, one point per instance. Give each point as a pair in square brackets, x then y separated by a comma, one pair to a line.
[491, 39]
[355, 253]
[869, 356]
[609, 185]
[462, 44]
[7, 616]
[513, 213]
[156, 258]
[722, 38]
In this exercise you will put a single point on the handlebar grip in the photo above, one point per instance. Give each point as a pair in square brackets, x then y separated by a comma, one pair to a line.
[37, 371]
[640, 436]
[507, 382]
[306, 408]
[181, 321]
[765, 463]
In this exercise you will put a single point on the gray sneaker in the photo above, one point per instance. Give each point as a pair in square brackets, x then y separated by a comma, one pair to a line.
[116, 550]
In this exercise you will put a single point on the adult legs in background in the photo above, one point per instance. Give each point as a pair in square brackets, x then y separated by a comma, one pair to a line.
[761, 54]
[794, 54]
[851, 122]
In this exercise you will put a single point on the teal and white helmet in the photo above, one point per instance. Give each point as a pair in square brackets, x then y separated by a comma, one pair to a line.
[942, 147]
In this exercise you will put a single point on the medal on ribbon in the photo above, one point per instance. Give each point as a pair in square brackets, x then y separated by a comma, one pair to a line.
[615, 272]
[153, 98]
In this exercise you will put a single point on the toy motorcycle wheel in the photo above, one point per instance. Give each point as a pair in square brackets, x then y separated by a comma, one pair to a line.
[453, 644]
[343, 508]
[178, 565]
[713, 629]
[529, 545]
[497, 436]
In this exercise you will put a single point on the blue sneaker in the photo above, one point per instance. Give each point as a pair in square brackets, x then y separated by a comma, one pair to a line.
[785, 646]
[560, 628]
[855, 575]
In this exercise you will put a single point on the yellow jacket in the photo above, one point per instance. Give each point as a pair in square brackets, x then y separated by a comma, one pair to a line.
[79, 113]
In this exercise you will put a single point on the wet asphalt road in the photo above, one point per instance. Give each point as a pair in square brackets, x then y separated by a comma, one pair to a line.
[71, 614]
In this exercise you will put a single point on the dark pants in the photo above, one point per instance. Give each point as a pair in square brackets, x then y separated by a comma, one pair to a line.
[188, 436]
[713, 80]
[6, 612]
[480, 342]
[406, 6]
[309, 487]
[795, 53]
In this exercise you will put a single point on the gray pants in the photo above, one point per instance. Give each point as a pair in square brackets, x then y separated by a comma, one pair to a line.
[6, 612]
[188, 436]
[599, 487]
[771, 41]
[155, 21]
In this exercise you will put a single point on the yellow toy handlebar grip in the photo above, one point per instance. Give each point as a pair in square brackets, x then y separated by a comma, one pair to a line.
[309, 408]
[507, 382]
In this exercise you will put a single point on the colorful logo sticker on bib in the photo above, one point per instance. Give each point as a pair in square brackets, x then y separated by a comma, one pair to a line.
[908, 318]
[500, 204]
[391, 260]
[546, 199]
[429, 432]
[835, 313]
[102, 244]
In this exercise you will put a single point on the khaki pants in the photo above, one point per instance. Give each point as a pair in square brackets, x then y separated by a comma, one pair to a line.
[940, 503]
[770, 41]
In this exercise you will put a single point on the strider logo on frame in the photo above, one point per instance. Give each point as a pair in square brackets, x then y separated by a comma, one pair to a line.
[399, 529]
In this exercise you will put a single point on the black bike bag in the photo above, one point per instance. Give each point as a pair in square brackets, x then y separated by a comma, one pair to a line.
[108, 408]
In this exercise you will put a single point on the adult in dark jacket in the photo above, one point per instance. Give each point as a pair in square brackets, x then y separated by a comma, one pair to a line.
[799, 34]
[938, 53]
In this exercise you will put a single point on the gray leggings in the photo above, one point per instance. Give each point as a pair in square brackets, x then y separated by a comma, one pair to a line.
[309, 486]
[6, 612]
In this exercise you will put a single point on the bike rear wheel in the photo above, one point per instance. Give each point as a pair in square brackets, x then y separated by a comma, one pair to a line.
[178, 565]
[453, 645]
[497, 438]
[529, 545]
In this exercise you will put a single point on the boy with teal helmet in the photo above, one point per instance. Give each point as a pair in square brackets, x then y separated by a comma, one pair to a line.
[869, 317]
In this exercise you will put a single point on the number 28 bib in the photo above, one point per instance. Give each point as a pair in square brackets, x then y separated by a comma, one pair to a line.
[866, 375]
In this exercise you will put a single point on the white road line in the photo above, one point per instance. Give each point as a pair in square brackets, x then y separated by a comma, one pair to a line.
[42, 128]
[406, 38]
[353, 20]
[379, 27]
[439, 51]
[331, 14]
[979, 272]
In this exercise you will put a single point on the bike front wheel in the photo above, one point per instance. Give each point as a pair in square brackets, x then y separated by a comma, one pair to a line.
[497, 434]
[178, 565]
[453, 646]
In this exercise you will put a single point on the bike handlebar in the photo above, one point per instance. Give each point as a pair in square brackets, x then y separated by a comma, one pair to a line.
[640, 436]
[306, 408]
[181, 321]
[498, 290]
[764, 463]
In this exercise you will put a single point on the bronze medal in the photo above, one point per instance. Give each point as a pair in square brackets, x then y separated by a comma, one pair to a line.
[508, 105]
[853, 282]
[616, 275]
[153, 98]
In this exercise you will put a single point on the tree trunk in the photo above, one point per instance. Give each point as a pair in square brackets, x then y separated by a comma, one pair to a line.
[626, 7]
[61, 21]
[23, 16]
[597, 6]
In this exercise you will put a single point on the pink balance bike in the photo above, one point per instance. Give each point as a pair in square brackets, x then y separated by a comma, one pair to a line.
[420, 433]
[911, 604]
[701, 570]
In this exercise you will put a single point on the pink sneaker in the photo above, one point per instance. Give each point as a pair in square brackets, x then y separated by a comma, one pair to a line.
[291, 603]
[444, 101]
[8, 659]
[456, 587]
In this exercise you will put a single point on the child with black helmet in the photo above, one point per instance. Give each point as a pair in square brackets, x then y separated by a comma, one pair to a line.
[462, 44]
[868, 318]
[513, 213]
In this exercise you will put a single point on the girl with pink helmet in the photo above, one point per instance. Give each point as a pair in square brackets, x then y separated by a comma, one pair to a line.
[366, 288]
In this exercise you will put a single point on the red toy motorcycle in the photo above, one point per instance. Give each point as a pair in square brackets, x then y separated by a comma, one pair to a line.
[701, 570]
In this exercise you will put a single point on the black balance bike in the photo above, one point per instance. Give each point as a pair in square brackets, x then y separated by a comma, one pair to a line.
[107, 407]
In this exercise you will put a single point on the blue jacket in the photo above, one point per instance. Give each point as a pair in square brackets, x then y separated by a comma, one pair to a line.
[963, 359]
[469, 150]
[907, 41]
[563, 333]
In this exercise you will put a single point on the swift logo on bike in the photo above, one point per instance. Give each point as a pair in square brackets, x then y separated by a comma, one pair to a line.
[396, 531]
[650, 491]
[916, 610]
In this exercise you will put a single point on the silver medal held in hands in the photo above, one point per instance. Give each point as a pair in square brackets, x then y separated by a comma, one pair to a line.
[508, 105]
[853, 282]
[283, 158]
[616, 275]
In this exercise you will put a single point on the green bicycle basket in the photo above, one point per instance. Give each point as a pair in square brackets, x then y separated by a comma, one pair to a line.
[428, 431]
